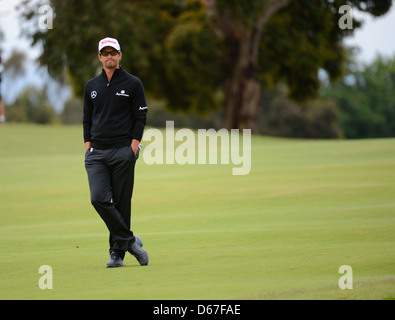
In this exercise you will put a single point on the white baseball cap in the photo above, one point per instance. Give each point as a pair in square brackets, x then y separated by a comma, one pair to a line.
[109, 42]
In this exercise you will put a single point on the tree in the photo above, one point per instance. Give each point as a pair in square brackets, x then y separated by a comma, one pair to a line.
[284, 39]
[366, 99]
[72, 111]
[312, 119]
[241, 24]
[32, 106]
[14, 66]
[197, 54]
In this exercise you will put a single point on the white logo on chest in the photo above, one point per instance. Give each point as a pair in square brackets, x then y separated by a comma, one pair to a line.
[122, 93]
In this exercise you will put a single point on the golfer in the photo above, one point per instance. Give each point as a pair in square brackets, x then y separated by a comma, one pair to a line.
[114, 118]
[2, 113]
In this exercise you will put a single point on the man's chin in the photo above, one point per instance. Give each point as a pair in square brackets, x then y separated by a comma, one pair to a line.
[111, 66]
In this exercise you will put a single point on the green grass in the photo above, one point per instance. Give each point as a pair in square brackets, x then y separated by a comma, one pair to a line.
[282, 232]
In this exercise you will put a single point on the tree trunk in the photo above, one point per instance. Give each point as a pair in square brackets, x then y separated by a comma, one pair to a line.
[241, 87]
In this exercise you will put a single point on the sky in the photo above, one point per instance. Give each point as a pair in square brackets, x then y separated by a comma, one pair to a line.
[376, 36]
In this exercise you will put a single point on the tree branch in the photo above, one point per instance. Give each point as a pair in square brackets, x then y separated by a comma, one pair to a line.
[264, 19]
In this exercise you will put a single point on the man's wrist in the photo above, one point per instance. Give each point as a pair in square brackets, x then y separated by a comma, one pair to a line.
[88, 145]
[135, 145]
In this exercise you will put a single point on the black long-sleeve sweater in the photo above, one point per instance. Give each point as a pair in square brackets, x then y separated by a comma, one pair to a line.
[115, 112]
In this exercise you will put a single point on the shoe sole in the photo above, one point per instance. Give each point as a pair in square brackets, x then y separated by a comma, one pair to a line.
[114, 266]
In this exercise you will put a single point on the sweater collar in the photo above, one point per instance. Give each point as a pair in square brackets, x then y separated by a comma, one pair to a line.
[115, 74]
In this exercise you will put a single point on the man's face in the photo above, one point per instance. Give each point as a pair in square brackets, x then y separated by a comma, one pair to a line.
[110, 61]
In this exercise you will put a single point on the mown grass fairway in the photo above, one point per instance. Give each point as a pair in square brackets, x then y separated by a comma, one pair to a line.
[281, 232]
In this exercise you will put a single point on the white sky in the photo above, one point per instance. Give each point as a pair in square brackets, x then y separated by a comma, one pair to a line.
[376, 36]
[9, 24]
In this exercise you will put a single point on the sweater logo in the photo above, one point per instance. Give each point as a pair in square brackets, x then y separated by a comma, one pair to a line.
[122, 93]
[93, 94]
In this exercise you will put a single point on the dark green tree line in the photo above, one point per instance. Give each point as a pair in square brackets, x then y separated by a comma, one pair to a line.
[365, 98]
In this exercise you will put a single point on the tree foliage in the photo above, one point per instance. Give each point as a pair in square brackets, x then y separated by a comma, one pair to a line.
[366, 99]
[32, 106]
[312, 119]
[200, 54]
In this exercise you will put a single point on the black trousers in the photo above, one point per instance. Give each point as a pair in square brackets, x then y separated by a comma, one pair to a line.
[111, 179]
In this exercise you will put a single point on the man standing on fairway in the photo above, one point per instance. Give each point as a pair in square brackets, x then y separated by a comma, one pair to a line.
[2, 115]
[114, 118]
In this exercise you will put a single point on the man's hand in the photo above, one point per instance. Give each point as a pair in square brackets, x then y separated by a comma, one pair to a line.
[88, 145]
[135, 146]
